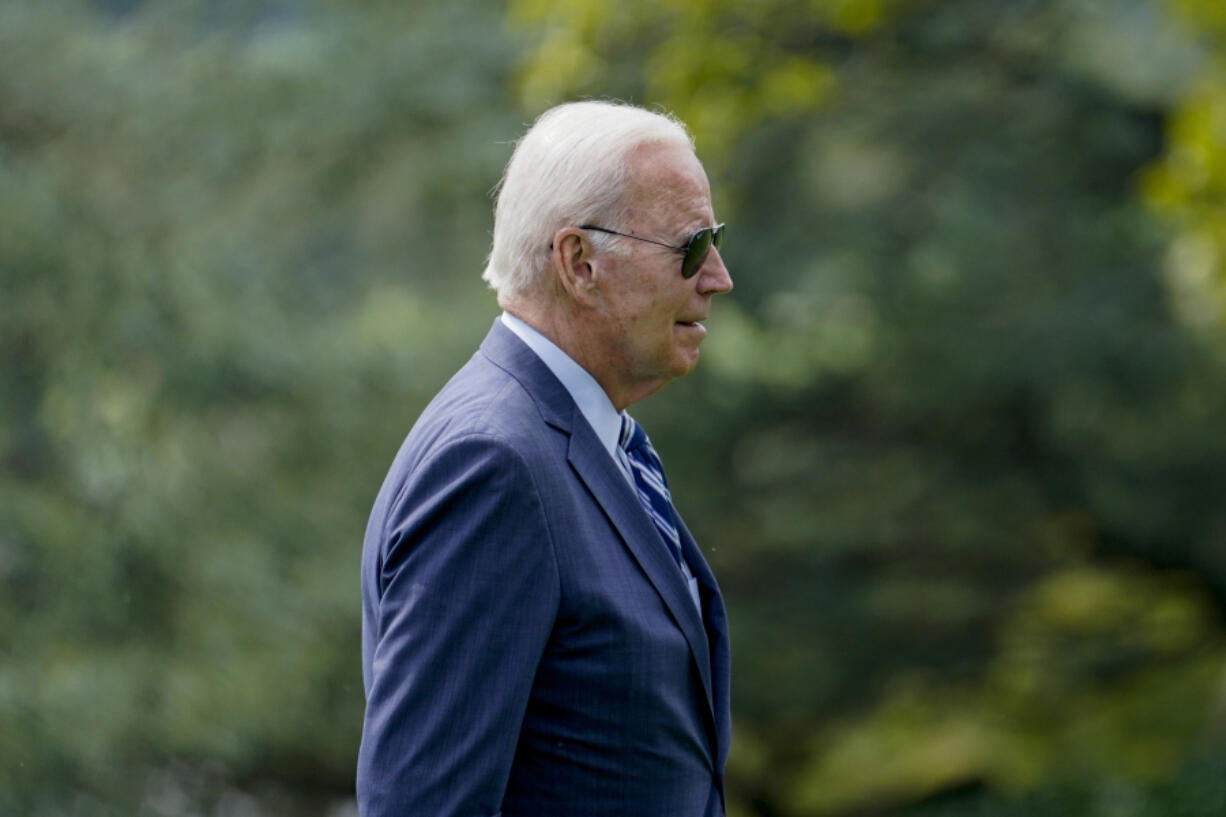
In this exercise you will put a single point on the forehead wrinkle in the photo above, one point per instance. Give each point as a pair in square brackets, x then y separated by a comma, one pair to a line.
[670, 197]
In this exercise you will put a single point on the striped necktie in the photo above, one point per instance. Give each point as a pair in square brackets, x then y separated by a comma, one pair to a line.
[650, 483]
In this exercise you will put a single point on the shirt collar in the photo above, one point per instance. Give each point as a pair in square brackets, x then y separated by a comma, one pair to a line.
[595, 405]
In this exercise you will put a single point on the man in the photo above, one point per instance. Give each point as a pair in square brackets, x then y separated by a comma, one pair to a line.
[541, 635]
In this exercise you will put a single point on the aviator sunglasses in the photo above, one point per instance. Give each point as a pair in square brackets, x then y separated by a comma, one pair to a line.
[695, 249]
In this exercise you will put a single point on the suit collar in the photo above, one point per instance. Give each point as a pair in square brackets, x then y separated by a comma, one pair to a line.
[514, 356]
[583, 388]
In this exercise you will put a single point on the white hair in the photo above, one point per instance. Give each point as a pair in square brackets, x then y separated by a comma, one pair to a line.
[571, 167]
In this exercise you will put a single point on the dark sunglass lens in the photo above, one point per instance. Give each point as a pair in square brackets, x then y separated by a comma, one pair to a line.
[696, 252]
[717, 237]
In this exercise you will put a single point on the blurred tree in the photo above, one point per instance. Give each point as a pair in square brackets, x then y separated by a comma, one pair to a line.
[722, 68]
[952, 447]
[1188, 183]
[955, 449]
[239, 246]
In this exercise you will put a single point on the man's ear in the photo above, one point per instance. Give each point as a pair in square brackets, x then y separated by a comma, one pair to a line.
[571, 255]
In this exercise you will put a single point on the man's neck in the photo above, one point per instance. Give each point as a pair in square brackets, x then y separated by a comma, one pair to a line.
[572, 333]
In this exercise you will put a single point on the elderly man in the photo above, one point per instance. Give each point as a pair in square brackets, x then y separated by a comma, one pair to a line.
[541, 634]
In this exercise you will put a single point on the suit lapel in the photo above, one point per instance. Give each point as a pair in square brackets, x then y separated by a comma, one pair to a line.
[613, 493]
[716, 620]
[606, 482]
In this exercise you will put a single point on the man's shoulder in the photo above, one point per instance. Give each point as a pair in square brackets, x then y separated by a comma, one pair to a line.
[502, 410]
[481, 398]
[482, 401]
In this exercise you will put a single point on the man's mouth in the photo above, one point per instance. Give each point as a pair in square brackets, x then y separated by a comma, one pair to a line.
[692, 328]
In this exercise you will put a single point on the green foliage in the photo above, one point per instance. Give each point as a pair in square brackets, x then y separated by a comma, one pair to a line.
[948, 409]
[954, 446]
[722, 67]
[1194, 790]
[1188, 184]
[225, 243]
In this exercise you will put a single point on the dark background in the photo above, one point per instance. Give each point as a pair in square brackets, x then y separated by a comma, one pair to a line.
[955, 448]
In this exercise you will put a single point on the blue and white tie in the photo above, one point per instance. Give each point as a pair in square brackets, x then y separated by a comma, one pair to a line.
[649, 481]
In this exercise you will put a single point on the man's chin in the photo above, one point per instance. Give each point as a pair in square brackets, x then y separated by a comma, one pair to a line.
[687, 361]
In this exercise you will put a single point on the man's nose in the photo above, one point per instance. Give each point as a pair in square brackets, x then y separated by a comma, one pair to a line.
[713, 276]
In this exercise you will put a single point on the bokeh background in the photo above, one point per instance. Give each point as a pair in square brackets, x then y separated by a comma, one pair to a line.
[956, 448]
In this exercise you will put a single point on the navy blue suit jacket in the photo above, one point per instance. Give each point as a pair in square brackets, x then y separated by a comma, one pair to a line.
[530, 648]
